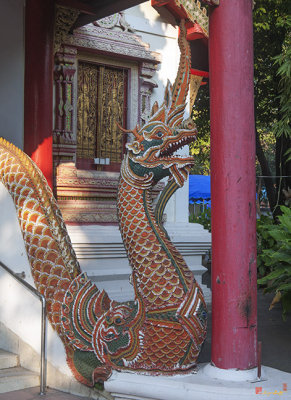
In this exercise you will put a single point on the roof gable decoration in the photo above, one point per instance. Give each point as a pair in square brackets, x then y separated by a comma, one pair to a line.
[116, 20]
[111, 34]
[110, 40]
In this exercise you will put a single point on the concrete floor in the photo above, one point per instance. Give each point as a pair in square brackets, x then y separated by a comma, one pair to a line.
[33, 394]
[273, 332]
[275, 335]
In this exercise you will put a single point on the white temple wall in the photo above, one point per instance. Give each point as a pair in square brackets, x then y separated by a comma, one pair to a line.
[20, 310]
[162, 37]
[12, 70]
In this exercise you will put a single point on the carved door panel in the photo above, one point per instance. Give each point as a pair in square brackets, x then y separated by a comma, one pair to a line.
[102, 103]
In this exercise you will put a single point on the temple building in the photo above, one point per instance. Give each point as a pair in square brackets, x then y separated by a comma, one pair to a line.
[75, 75]
[74, 79]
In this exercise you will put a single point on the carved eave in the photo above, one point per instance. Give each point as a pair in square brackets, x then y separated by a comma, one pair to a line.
[107, 41]
[151, 83]
[64, 19]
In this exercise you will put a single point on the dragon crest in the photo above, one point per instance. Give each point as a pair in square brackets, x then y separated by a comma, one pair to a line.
[154, 144]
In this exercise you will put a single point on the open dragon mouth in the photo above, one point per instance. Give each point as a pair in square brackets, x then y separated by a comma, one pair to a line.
[178, 164]
[173, 145]
[152, 155]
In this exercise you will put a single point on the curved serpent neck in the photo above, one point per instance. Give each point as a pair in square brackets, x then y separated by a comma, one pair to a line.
[162, 330]
[160, 273]
[53, 262]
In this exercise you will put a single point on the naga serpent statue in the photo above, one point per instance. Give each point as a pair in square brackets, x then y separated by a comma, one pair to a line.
[162, 330]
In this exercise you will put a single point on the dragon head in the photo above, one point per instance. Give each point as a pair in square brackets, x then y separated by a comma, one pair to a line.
[116, 336]
[152, 151]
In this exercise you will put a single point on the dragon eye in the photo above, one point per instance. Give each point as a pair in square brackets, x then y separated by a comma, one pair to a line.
[118, 320]
[159, 134]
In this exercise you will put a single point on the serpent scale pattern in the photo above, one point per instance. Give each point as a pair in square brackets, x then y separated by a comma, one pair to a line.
[50, 253]
[162, 330]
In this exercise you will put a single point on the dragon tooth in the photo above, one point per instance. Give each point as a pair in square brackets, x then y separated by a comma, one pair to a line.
[125, 362]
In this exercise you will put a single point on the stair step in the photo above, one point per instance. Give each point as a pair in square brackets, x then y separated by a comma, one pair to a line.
[8, 360]
[17, 378]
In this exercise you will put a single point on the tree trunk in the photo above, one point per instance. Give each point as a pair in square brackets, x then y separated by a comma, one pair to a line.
[283, 170]
[269, 184]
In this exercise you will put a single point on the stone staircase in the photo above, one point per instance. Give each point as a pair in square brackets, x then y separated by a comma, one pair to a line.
[102, 255]
[13, 376]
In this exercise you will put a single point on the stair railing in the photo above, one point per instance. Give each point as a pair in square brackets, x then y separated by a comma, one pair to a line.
[43, 366]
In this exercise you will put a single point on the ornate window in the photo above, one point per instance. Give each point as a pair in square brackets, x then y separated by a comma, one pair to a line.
[103, 75]
[101, 104]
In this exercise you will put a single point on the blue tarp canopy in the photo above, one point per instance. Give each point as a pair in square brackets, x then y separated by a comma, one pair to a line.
[199, 187]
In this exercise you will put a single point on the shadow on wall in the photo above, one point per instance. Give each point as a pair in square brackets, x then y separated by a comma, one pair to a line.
[161, 33]
[20, 311]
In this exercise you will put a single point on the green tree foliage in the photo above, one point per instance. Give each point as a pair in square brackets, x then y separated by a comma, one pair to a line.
[272, 83]
[283, 61]
[268, 40]
[203, 219]
[272, 88]
[274, 257]
[201, 148]
[272, 73]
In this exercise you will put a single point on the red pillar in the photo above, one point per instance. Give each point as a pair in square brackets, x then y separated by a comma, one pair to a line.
[234, 290]
[38, 89]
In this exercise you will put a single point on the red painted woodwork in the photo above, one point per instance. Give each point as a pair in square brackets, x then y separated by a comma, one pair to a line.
[234, 295]
[197, 72]
[195, 32]
[172, 6]
[38, 106]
